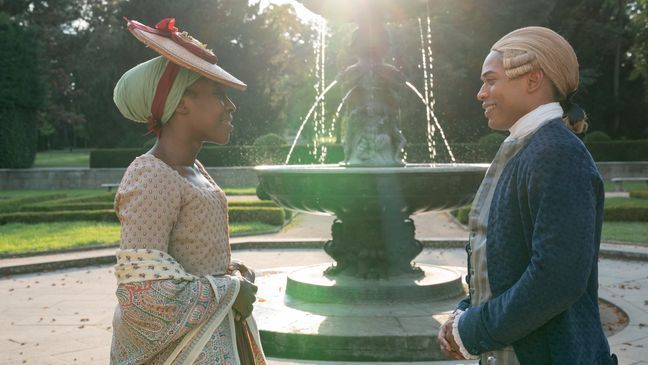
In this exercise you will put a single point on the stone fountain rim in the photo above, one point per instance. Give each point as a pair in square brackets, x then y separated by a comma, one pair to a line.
[431, 168]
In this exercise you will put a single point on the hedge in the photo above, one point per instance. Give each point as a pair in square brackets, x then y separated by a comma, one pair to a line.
[14, 204]
[65, 207]
[251, 203]
[269, 215]
[626, 214]
[106, 215]
[639, 194]
[636, 150]
[273, 216]
[462, 214]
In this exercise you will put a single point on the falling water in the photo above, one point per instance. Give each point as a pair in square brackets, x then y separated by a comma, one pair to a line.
[320, 74]
[436, 122]
[430, 126]
[310, 111]
[333, 122]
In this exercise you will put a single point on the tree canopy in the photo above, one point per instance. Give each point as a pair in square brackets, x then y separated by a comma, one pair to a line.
[84, 49]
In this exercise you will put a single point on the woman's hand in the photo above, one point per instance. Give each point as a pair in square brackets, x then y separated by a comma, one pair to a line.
[245, 271]
[246, 297]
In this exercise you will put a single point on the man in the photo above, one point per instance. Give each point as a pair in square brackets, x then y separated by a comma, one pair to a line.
[535, 223]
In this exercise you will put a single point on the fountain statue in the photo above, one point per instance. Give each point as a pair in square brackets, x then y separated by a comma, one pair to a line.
[373, 193]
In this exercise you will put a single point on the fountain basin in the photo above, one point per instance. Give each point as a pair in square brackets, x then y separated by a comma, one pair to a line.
[371, 191]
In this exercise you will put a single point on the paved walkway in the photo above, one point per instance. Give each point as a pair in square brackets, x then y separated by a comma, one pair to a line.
[64, 316]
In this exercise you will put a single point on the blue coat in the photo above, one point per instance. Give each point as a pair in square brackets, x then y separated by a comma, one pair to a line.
[543, 238]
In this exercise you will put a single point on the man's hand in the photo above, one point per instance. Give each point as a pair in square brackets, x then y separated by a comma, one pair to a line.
[447, 342]
[246, 296]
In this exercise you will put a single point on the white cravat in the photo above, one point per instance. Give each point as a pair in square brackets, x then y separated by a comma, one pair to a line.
[534, 120]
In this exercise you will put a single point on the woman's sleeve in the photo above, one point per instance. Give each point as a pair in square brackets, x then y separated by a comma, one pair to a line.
[147, 204]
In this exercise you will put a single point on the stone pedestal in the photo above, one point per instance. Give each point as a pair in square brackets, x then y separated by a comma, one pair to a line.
[303, 314]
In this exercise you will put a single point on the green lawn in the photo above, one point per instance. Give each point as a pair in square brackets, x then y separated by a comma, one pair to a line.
[627, 186]
[632, 232]
[7, 195]
[62, 158]
[41, 237]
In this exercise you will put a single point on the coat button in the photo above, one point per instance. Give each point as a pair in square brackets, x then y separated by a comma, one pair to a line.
[491, 360]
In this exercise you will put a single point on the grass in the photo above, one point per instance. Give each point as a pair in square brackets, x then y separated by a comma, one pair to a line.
[21, 238]
[240, 191]
[78, 193]
[631, 232]
[62, 158]
[40, 237]
[627, 186]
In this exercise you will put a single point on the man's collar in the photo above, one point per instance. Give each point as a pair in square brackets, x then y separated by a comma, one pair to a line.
[534, 120]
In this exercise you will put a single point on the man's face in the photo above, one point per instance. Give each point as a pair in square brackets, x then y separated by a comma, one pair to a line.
[210, 110]
[504, 101]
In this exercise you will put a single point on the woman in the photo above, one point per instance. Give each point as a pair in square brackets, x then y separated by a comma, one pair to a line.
[181, 299]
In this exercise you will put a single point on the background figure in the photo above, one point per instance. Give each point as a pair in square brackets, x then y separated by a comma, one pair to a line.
[535, 223]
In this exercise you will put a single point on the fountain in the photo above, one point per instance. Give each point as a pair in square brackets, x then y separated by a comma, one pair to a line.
[373, 303]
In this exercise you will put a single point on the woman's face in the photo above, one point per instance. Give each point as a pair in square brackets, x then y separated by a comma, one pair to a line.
[209, 110]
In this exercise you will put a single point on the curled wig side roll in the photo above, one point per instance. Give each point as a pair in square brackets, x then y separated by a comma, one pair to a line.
[532, 48]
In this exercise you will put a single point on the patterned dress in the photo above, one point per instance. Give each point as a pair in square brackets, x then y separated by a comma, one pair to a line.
[174, 292]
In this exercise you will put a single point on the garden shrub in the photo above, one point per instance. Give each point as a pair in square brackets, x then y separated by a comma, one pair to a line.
[484, 151]
[106, 215]
[270, 215]
[596, 136]
[639, 194]
[66, 207]
[269, 140]
[15, 204]
[627, 213]
[493, 138]
[273, 216]
[252, 203]
[462, 214]
[103, 197]
[635, 150]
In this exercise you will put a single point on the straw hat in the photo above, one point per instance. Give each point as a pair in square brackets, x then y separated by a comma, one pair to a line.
[183, 50]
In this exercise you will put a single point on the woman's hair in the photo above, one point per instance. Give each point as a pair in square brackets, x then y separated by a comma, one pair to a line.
[532, 48]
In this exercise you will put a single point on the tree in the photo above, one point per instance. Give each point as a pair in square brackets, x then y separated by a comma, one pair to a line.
[21, 93]
[265, 50]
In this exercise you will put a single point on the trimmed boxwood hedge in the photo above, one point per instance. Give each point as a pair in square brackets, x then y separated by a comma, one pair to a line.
[14, 204]
[273, 216]
[65, 207]
[628, 213]
[269, 215]
[251, 203]
[618, 213]
[640, 194]
[105, 215]
[636, 150]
